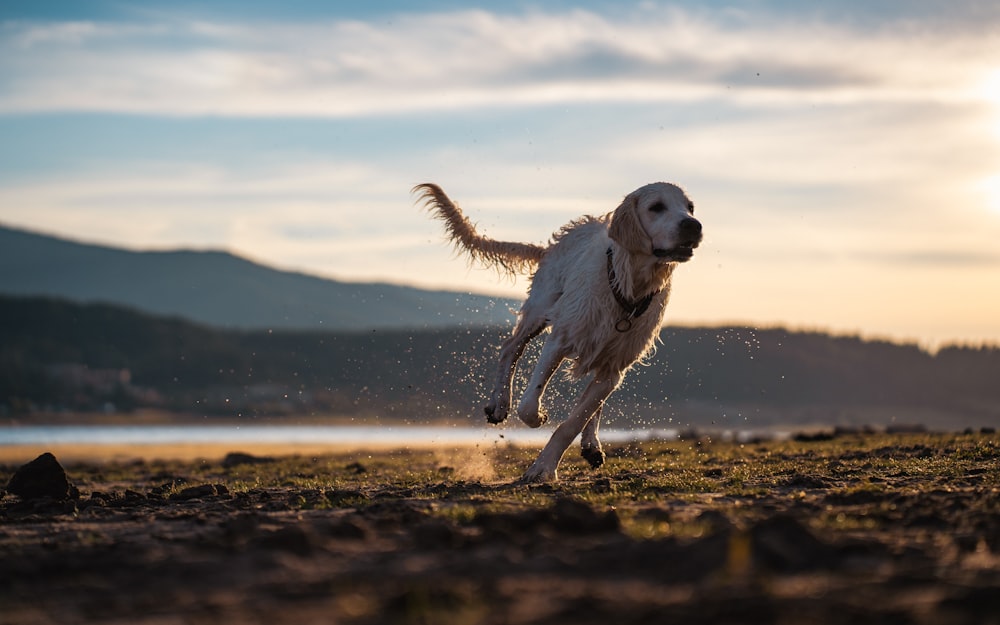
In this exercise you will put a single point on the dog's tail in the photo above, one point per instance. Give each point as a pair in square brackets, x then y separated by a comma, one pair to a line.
[507, 256]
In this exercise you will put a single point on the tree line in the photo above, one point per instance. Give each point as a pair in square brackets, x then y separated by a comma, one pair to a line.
[58, 355]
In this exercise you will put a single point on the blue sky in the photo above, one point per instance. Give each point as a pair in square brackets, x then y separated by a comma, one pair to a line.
[843, 156]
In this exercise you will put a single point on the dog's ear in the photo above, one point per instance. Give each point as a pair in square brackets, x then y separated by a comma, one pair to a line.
[626, 229]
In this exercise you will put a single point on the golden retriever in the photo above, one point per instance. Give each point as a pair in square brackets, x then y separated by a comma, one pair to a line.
[600, 285]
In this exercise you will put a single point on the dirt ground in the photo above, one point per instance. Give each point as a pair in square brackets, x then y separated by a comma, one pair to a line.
[828, 529]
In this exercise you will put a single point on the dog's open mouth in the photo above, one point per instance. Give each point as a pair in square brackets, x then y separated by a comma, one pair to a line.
[679, 253]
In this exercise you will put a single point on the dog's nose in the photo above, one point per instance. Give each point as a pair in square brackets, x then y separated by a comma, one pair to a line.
[690, 229]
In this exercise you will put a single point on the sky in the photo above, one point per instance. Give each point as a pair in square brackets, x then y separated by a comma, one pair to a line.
[843, 157]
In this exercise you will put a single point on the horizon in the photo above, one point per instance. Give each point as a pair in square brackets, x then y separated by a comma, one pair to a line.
[843, 159]
[719, 325]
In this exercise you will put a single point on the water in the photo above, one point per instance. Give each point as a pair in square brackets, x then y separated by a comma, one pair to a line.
[334, 435]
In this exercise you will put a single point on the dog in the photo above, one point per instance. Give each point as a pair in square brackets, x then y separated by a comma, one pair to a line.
[600, 287]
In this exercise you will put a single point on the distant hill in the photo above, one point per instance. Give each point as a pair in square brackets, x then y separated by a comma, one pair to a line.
[224, 290]
[59, 355]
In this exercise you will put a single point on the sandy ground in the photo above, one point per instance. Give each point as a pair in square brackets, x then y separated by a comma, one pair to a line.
[849, 530]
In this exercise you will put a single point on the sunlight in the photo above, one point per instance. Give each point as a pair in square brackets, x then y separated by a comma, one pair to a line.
[990, 90]
[989, 188]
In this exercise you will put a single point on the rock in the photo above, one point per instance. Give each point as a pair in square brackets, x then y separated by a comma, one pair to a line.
[806, 481]
[133, 496]
[436, 534]
[356, 468]
[197, 492]
[604, 485]
[346, 497]
[236, 458]
[291, 539]
[240, 528]
[783, 544]
[115, 499]
[566, 516]
[714, 521]
[981, 600]
[577, 517]
[814, 437]
[352, 528]
[100, 499]
[163, 490]
[42, 477]
[514, 526]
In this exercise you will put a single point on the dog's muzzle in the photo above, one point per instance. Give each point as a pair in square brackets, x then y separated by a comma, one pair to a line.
[689, 233]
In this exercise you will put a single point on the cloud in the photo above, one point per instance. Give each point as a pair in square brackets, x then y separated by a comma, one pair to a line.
[840, 166]
[469, 59]
[938, 257]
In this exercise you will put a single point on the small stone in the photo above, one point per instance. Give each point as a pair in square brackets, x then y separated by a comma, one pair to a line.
[436, 534]
[603, 485]
[236, 458]
[131, 495]
[784, 544]
[292, 539]
[42, 477]
[194, 492]
[240, 527]
[345, 497]
[353, 528]
[577, 517]
[357, 468]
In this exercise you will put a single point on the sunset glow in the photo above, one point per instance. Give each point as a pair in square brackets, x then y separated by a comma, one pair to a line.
[843, 161]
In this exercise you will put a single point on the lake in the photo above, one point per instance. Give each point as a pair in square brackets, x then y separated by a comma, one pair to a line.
[334, 435]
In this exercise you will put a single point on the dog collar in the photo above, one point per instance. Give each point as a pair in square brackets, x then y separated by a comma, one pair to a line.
[632, 309]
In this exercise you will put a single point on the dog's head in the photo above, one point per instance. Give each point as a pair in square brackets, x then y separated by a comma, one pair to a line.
[657, 220]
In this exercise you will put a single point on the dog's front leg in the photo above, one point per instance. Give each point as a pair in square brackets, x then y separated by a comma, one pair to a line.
[544, 467]
[530, 408]
[498, 406]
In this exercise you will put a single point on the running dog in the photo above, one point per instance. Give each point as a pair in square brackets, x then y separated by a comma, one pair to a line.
[600, 286]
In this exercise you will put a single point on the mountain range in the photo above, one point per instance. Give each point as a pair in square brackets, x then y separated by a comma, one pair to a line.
[58, 356]
[221, 289]
[83, 327]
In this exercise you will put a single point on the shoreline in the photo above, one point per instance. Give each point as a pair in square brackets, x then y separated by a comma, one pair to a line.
[107, 453]
[109, 443]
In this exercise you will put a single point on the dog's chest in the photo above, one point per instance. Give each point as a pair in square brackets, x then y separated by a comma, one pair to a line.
[602, 342]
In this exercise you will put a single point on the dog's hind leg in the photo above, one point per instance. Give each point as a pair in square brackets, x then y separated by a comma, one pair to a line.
[544, 467]
[590, 444]
[498, 406]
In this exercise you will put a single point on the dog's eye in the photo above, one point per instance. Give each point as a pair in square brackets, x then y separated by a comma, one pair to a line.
[691, 207]
[659, 207]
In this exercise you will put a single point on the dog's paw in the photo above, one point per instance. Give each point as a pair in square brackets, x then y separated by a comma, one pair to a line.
[495, 414]
[537, 474]
[595, 456]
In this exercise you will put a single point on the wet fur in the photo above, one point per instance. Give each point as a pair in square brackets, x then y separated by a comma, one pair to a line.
[570, 296]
